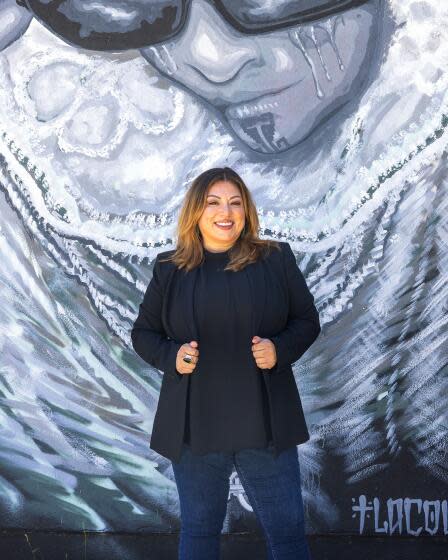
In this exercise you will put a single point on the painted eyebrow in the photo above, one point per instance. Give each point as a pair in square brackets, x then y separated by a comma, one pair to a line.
[216, 196]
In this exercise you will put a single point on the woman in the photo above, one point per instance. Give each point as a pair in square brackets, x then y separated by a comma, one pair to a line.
[244, 314]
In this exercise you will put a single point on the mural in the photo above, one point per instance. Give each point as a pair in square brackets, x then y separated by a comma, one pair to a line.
[335, 113]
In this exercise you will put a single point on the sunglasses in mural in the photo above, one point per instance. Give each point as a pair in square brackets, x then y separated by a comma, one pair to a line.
[109, 26]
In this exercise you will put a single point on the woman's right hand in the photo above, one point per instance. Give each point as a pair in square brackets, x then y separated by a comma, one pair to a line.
[191, 349]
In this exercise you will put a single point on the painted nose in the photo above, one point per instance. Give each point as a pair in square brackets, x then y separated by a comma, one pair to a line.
[211, 47]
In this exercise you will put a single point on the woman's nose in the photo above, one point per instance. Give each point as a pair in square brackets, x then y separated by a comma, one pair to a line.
[212, 47]
[226, 209]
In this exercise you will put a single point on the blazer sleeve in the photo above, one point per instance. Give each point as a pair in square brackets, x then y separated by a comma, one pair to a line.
[303, 326]
[148, 336]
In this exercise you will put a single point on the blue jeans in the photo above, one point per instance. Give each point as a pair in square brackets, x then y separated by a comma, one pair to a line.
[272, 487]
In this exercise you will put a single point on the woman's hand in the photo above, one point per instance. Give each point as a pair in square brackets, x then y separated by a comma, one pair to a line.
[264, 352]
[191, 349]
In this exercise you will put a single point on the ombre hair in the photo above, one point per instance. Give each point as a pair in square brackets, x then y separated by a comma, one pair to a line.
[247, 249]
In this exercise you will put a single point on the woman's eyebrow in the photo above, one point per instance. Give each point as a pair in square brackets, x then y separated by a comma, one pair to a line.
[234, 196]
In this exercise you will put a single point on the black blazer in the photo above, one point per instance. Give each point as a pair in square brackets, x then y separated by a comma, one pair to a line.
[286, 315]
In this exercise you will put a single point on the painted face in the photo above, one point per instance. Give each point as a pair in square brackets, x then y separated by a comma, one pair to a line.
[223, 204]
[273, 89]
[272, 71]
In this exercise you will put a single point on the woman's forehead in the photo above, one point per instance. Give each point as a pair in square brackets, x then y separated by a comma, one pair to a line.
[222, 187]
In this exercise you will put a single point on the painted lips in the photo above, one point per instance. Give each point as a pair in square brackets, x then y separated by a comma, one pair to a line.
[266, 103]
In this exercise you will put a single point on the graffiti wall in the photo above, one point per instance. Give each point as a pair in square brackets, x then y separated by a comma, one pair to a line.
[335, 113]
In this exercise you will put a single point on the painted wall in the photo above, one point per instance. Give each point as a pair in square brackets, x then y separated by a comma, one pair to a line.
[338, 126]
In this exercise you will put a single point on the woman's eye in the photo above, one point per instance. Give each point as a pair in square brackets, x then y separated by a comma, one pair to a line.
[235, 203]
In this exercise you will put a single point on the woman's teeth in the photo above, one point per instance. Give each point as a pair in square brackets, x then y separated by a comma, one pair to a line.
[224, 225]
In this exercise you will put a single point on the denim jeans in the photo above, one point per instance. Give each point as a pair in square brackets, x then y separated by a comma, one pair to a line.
[272, 487]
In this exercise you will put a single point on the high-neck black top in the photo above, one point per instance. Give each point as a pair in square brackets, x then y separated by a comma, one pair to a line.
[226, 387]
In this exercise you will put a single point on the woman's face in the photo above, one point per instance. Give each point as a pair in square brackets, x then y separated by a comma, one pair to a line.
[272, 89]
[223, 204]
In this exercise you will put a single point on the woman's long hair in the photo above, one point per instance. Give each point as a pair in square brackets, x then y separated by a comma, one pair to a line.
[247, 249]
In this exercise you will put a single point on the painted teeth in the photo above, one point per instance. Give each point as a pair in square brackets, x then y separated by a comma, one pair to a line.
[252, 110]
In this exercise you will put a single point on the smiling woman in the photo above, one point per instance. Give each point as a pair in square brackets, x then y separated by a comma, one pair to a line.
[225, 357]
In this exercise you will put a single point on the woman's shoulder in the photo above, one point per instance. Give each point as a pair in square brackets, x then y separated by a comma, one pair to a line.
[161, 259]
[283, 257]
[279, 254]
[284, 245]
[165, 254]
[285, 248]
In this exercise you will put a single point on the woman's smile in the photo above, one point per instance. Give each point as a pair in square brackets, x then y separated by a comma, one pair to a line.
[224, 225]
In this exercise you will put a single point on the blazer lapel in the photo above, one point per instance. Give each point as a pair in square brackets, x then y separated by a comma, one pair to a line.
[257, 279]
[188, 283]
[256, 276]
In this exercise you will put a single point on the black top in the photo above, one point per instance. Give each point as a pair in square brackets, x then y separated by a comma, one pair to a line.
[226, 389]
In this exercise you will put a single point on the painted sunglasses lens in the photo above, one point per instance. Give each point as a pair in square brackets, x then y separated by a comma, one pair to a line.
[257, 16]
[111, 25]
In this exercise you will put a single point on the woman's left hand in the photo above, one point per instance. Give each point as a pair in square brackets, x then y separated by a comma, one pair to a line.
[264, 352]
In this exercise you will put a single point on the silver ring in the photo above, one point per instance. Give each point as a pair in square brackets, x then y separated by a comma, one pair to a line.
[187, 358]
